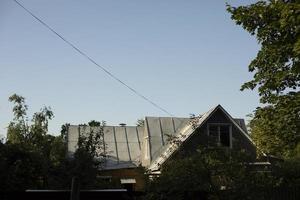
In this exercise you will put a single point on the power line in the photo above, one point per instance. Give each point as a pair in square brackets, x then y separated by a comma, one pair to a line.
[93, 61]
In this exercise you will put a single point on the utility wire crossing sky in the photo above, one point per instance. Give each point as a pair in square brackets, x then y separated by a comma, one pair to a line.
[182, 57]
[94, 62]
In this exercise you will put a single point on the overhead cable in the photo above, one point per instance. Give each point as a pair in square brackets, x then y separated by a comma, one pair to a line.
[93, 61]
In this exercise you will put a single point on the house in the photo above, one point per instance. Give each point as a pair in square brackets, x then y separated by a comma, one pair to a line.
[128, 147]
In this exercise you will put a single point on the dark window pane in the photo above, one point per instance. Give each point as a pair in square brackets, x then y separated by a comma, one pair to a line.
[213, 131]
[224, 136]
[224, 129]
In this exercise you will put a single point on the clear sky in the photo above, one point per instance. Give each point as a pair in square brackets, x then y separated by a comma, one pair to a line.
[187, 56]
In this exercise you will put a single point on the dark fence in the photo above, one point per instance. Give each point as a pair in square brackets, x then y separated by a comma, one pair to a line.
[275, 193]
[279, 193]
[66, 194]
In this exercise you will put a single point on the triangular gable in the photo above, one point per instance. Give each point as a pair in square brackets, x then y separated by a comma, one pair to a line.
[186, 132]
[236, 124]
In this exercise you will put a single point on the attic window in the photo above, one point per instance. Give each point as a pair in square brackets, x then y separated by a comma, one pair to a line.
[221, 134]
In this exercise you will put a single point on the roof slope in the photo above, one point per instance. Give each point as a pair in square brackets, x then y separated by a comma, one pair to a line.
[187, 131]
[130, 146]
[157, 130]
[123, 144]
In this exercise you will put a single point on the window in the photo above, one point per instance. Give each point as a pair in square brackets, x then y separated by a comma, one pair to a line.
[106, 179]
[221, 134]
[128, 184]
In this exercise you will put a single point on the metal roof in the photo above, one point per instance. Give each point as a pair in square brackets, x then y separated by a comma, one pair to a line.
[131, 146]
[189, 129]
[157, 130]
[123, 144]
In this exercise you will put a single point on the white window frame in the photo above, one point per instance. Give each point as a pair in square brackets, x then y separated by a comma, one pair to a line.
[219, 135]
[128, 181]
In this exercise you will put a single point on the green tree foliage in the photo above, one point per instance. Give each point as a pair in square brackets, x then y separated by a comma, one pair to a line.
[90, 154]
[33, 159]
[288, 173]
[178, 177]
[276, 128]
[19, 169]
[140, 122]
[93, 141]
[30, 154]
[94, 123]
[21, 132]
[217, 172]
[276, 24]
[17, 129]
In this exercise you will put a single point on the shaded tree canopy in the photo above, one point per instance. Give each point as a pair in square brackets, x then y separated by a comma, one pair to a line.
[206, 172]
[21, 131]
[275, 127]
[276, 25]
[33, 159]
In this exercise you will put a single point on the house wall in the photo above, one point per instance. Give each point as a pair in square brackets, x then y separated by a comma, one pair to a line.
[148, 140]
[130, 173]
[200, 137]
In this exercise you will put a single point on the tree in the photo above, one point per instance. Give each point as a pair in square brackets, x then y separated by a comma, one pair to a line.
[89, 156]
[140, 122]
[30, 153]
[33, 159]
[84, 163]
[275, 23]
[21, 132]
[94, 123]
[17, 129]
[19, 169]
[276, 26]
[216, 172]
[275, 128]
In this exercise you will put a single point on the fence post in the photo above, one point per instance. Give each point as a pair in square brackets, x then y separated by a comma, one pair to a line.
[75, 190]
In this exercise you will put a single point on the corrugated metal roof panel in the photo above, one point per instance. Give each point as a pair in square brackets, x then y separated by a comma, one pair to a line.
[125, 145]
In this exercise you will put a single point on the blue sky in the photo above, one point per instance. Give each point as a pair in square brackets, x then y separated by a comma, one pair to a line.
[187, 56]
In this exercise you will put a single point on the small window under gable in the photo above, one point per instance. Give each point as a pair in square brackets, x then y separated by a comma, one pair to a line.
[220, 134]
[128, 184]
